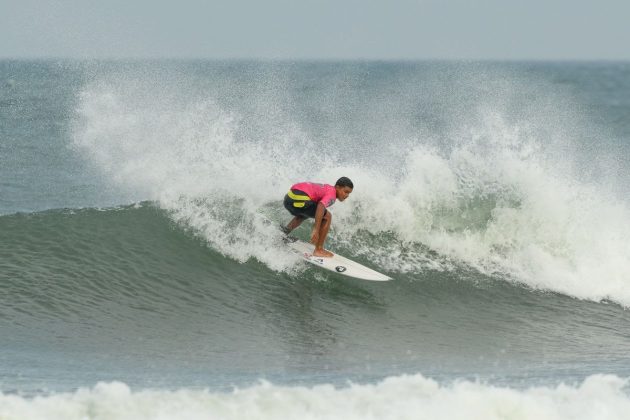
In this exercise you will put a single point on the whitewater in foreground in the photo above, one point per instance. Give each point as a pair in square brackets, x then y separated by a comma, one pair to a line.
[599, 397]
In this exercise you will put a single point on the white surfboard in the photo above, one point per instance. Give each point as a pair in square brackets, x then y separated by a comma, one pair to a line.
[336, 263]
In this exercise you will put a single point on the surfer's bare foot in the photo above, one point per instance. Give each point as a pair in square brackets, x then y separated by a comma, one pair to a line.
[322, 253]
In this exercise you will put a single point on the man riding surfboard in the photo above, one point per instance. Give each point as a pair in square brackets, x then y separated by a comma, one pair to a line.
[310, 200]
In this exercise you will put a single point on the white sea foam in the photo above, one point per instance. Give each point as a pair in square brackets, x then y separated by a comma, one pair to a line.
[602, 397]
[188, 157]
[497, 198]
[494, 204]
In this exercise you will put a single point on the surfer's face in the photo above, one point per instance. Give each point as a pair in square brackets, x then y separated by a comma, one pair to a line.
[343, 192]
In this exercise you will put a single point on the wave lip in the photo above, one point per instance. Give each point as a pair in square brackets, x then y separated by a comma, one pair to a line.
[408, 396]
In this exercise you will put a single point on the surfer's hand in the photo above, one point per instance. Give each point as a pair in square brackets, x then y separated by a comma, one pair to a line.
[314, 237]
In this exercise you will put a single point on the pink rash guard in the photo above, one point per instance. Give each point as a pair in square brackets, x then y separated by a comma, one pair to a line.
[324, 193]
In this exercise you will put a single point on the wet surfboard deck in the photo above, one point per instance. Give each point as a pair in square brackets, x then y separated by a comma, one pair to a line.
[336, 263]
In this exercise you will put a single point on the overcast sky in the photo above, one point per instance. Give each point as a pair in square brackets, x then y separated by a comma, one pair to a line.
[328, 29]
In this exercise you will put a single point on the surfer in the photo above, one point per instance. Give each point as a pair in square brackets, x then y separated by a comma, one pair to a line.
[309, 199]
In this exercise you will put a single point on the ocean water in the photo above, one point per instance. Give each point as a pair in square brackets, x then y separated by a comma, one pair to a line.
[138, 278]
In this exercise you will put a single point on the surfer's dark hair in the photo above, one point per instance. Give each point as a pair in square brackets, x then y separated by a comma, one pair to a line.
[344, 182]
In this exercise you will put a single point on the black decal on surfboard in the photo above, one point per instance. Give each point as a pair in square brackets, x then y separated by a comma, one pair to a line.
[340, 268]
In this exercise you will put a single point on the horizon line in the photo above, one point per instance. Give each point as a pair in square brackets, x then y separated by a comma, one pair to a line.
[319, 59]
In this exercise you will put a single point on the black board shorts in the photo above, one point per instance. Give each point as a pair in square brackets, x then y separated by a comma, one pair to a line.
[298, 203]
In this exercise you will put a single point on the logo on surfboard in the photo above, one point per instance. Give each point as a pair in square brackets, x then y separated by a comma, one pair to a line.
[313, 258]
